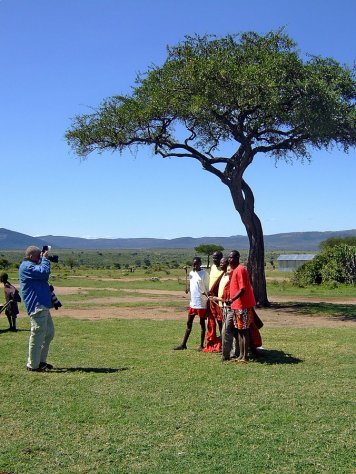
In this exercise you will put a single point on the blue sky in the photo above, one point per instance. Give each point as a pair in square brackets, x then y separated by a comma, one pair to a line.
[61, 57]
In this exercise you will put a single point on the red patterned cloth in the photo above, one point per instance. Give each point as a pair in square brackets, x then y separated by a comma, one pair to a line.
[248, 318]
[197, 312]
[213, 342]
[243, 318]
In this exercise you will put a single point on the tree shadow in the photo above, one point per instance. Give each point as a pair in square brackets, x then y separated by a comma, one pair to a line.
[273, 357]
[339, 312]
[97, 370]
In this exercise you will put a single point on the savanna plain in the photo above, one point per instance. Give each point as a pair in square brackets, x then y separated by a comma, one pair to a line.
[120, 400]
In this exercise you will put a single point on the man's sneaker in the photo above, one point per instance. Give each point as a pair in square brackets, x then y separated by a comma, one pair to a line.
[40, 369]
[45, 366]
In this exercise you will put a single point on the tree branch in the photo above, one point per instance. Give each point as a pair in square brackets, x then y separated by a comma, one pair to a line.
[287, 144]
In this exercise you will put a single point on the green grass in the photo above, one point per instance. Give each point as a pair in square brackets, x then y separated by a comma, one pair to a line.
[121, 401]
[137, 282]
[320, 291]
[342, 312]
[134, 304]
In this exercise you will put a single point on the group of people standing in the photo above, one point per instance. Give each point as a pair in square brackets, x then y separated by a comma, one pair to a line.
[224, 299]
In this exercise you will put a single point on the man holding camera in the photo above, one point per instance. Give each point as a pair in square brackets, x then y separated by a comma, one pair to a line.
[34, 273]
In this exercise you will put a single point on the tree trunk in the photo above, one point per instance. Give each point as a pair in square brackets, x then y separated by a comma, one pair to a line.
[244, 204]
[256, 260]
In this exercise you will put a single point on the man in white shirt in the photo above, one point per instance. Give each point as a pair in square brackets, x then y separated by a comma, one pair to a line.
[198, 287]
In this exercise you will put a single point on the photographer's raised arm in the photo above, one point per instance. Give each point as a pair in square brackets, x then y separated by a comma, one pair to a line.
[39, 271]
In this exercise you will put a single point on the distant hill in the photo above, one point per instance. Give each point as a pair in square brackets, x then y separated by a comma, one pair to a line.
[303, 241]
[10, 240]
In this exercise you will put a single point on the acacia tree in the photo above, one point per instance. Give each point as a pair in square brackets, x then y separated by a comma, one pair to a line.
[208, 249]
[255, 92]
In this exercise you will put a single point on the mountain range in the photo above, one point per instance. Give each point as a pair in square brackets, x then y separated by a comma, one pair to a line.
[295, 241]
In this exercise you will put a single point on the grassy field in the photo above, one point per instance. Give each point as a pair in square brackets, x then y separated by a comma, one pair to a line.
[120, 400]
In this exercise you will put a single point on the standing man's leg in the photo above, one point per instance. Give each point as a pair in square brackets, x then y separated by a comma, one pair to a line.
[239, 335]
[242, 320]
[244, 342]
[227, 335]
[187, 333]
[202, 333]
[37, 336]
[235, 345]
[223, 332]
[14, 328]
[49, 335]
[220, 325]
[9, 318]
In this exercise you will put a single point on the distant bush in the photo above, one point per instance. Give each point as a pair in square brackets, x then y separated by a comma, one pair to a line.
[4, 263]
[335, 264]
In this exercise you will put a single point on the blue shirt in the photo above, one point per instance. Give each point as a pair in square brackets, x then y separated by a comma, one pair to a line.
[34, 284]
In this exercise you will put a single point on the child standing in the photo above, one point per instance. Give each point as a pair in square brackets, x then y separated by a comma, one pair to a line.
[12, 297]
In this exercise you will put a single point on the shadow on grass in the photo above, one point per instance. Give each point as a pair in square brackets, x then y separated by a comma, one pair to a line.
[273, 357]
[341, 312]
[17, 330]
[1, 332]
[97, 370]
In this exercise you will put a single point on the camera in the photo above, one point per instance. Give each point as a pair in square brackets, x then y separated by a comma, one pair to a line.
[55, 301]
[51, 258]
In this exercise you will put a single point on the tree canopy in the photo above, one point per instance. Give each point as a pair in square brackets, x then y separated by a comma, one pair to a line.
[208, 249]
[255, 92]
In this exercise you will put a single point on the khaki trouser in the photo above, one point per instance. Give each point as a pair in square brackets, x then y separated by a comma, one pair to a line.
[41, 335]
[230, 345]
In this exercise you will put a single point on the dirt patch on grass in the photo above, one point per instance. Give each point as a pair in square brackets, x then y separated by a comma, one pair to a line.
[272, 317]
[284, 312]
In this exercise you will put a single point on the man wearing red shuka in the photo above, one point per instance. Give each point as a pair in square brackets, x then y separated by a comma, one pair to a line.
[242, 301]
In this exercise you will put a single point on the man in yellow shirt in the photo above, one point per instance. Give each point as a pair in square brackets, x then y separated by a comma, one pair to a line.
[215, 271]
[215, 275]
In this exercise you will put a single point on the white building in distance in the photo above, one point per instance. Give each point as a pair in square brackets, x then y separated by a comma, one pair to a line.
[289, 263]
